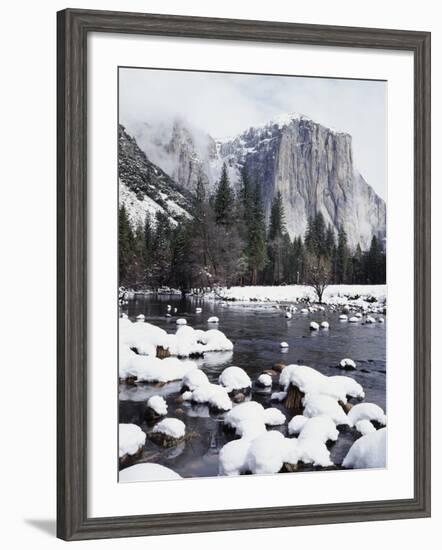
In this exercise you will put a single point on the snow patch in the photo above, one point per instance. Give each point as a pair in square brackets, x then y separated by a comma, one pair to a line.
[172, 427]
[130, 439]
[157, 404]
[370, 451]
[366, 411]
[234, 378]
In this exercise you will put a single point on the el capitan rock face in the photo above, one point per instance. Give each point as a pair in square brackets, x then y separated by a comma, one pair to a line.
[311, 165]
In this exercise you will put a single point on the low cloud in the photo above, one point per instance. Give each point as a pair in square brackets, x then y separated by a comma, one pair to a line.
[224, 104]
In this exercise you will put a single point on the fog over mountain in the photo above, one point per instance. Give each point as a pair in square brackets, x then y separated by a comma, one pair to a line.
[311, 165]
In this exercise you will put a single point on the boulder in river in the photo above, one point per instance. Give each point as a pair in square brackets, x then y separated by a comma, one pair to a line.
[278, 367]
[168, 432]
[238, 397]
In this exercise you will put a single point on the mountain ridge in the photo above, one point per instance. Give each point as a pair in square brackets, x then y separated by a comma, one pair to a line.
[311, 166]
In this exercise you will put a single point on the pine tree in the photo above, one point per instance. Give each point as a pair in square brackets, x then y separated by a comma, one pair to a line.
[224, 200]
[309, 238]
[125, 245]
[319, 235]
[256, 238]
[358, 268]
[330, 242]
[376, 264]
[162, 254]
[138, 272]
[277, 218]
[342, 255]
[148, 243]
[181, 261]
[276, 243]
[299, 260]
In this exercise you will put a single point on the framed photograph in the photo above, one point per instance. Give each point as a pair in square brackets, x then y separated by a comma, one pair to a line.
[243, 274]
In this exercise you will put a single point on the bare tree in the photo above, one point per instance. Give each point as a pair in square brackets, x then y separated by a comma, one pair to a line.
[318, 273]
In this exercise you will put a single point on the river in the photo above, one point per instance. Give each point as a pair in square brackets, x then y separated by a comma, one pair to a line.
[256, 331]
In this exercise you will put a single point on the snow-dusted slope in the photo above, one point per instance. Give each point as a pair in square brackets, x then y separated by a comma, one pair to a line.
[186, 153]
[145, 188]
[311, 165]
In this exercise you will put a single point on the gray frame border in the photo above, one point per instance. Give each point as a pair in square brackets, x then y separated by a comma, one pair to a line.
[73, 26]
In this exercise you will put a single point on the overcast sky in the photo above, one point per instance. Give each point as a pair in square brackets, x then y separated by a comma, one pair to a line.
[226, 104]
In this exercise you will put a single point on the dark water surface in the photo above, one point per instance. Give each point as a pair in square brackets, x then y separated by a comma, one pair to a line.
[256, 331]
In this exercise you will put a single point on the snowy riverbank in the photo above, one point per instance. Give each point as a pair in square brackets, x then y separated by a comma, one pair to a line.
[333, 294]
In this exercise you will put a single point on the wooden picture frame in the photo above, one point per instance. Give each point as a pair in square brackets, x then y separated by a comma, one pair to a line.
[73, 28]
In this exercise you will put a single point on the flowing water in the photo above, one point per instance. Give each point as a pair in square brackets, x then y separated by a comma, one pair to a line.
[256, 331]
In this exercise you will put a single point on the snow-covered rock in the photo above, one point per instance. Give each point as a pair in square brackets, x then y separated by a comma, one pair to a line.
[157, 404]
[366, 411]
[250, 418]
[283, 345]
[251, 410]
[147, 471]
[370, 320]
[213, 320]
[234, 378]
[264, 380]
[304, 378]
[193, 379]
[266, 453]
[273, 417]
[288, 315]
[341, 386]
[233, 457]
[142, 336]
[319, 428]
[215, 340]
[152, 369]
[314, 325]
[343, 317]
[296, 424]
[347, 364]
[353, 319]
[370, 451]
[125, 357]
[171, 427]
[365, 427]
[181, 322]
[131, 439]
[311, 381]
[325, 324]
[312, 451]
[188, 341]
[215, 396]
[323, 405]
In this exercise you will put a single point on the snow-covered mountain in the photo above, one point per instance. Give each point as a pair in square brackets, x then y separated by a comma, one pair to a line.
[311, 165]
[183, 151]
[145, 187]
